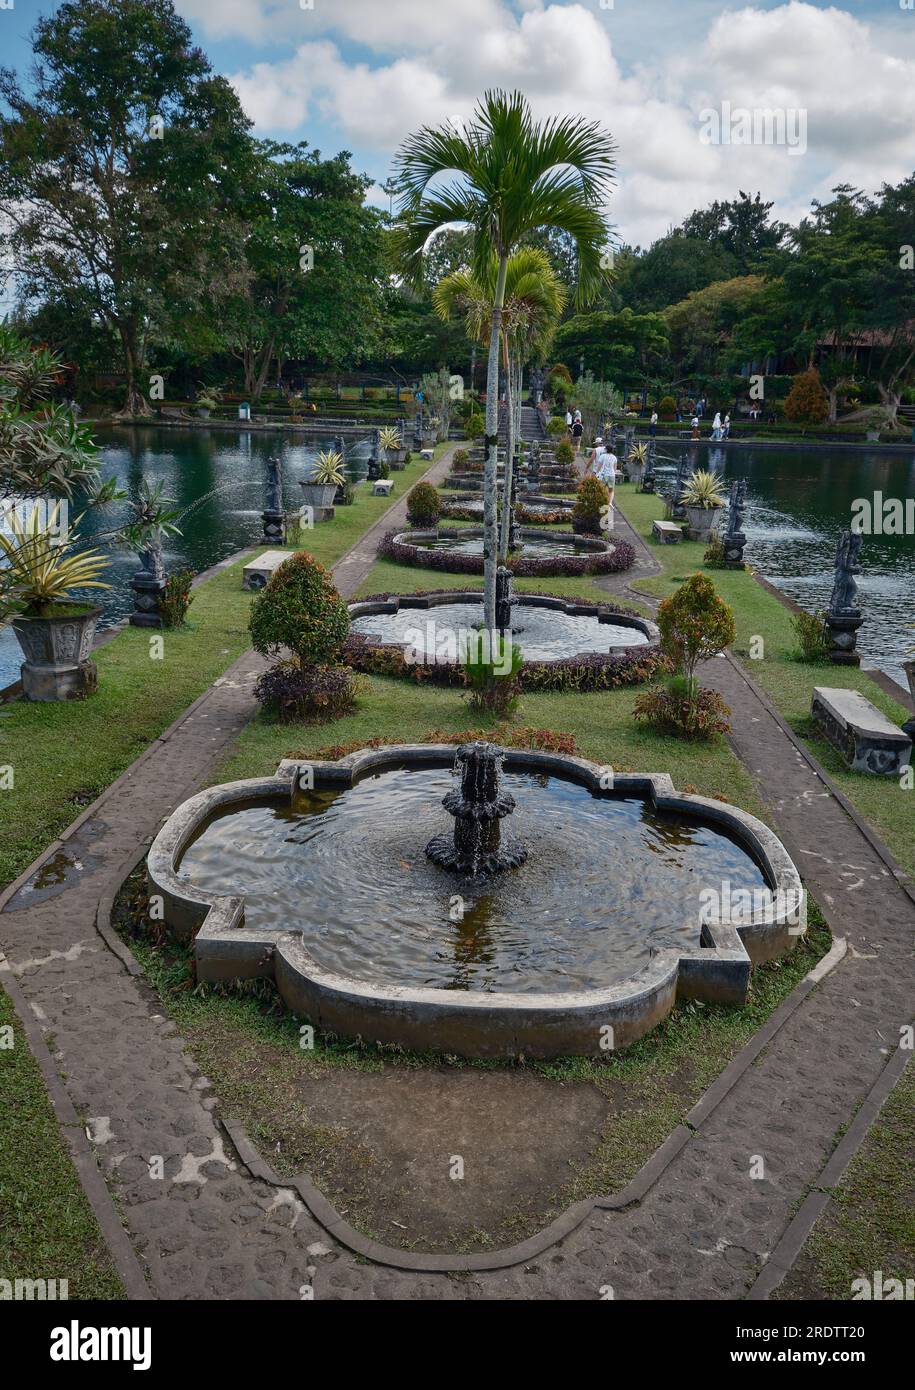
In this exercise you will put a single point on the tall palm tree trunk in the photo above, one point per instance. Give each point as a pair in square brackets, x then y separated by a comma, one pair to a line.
[505, 533]
[490, 472]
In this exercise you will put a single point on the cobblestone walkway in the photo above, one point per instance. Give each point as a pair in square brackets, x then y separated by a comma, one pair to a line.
[209, 1229]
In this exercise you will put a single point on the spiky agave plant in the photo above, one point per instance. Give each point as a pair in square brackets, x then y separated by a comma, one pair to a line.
[701, 490]
[328, 469]
[40, 570]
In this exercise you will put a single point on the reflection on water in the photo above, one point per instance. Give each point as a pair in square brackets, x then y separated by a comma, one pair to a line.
[218, 478]
[349, 868]
[798, 500]
[544, 634]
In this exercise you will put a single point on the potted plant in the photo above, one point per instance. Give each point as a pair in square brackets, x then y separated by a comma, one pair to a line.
[704, 504]
[207, 400]
[394, 451]
[637, 462]
[327, 475]
[54, 629]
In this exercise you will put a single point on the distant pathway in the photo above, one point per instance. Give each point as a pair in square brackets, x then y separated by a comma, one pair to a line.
[210, 1229]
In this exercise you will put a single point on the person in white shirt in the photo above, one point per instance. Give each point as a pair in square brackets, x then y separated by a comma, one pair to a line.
[605, 469]
[568, 419]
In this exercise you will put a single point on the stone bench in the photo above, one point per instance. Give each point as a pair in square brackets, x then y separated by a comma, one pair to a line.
[667, 532]
[382, 487]
[867, 740]
[427, 453]
[258, 571]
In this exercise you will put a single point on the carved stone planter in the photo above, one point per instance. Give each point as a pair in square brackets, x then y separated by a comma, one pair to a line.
[703, 522]
[57, 665]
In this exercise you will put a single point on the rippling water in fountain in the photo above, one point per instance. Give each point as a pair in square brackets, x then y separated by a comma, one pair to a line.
[545, 634]
[542, 546]
[606, 881]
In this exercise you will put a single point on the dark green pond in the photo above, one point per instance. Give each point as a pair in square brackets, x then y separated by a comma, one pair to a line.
[799, 501]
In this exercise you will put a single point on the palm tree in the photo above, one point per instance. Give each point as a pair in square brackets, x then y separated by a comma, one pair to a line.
[534, 300]
[513, 176]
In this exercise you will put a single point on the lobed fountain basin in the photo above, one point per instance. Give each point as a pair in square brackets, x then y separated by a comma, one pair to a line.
[433, 628]
[318, 879]
[540, 552]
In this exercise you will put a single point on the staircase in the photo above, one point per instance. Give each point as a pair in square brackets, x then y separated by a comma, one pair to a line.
[531, 424]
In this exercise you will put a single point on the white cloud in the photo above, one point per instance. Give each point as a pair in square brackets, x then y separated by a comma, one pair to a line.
[857, 89]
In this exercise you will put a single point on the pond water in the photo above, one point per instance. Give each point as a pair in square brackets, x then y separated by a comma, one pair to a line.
[544, 634]
[218, 478]
[607, 881]
[798, 502]
[543, 546]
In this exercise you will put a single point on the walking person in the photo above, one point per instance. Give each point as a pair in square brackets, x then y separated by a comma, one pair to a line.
[716, 425]
[726, 433]
[578, 430]
[653, 424]
[606, 472]
[694, 423]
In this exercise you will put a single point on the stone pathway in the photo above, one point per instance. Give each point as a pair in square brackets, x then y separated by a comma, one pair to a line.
[203, 1227]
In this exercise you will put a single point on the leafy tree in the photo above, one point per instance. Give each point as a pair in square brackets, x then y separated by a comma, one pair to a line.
[513, 176]
[807, 401]
[701, 325]
[742, 227]
[670, 270]
[121, 173]
[624, 346]
[315, 260]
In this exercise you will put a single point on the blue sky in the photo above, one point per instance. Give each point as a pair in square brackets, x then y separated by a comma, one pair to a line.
[359, 74]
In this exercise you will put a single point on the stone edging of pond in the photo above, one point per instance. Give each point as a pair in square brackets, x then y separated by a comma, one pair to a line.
[584, 671]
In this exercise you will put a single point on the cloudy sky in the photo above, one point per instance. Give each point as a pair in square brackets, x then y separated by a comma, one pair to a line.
[360, 74]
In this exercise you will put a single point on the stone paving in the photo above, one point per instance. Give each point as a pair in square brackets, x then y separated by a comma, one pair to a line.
[203, 1227]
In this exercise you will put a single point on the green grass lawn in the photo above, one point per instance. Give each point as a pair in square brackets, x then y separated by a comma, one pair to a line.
[884, 801]
[47, 1227]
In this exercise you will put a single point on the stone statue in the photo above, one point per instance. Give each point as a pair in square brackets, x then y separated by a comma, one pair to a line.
[737, 506]
[734, 537]
[844, 589]
[843, 616]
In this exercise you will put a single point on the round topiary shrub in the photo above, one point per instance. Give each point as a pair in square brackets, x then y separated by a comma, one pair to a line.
[461, 457]
[556, 425]
[424, 506]
[591, 505]
[667, 407]
[564, 453]
[474, 426]
[299, 609]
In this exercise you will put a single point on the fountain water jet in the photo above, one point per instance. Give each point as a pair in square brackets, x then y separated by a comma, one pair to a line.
[475, 848]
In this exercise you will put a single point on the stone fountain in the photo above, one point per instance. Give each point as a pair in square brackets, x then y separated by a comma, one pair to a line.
[475, 848]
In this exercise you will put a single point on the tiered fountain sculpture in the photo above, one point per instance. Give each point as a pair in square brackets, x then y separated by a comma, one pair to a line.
[476, 848]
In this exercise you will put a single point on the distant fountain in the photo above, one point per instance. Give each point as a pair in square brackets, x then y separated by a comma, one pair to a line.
[475, 848]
